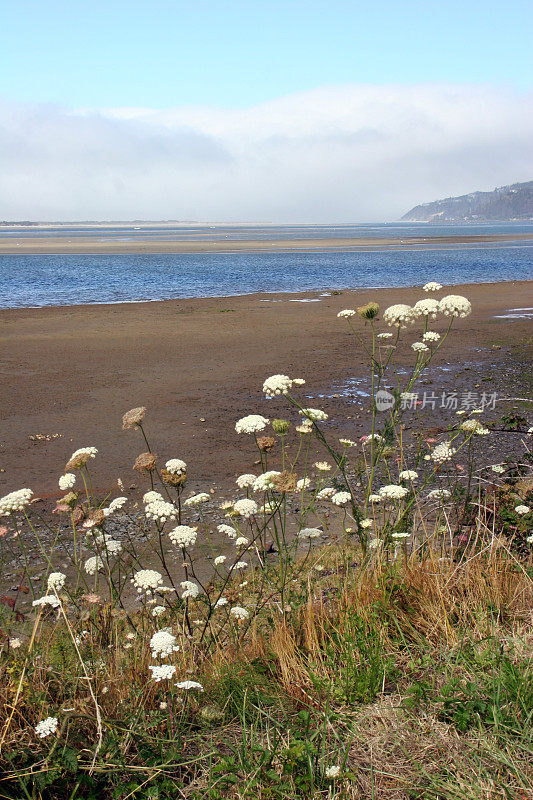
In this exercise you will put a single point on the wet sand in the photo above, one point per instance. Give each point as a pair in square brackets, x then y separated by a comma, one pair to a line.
[178, 244]
[198, 365]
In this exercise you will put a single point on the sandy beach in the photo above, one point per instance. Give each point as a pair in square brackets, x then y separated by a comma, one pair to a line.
[203, 244]
[69, 373]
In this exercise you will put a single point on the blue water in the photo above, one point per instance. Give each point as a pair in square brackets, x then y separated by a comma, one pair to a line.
[41, 280]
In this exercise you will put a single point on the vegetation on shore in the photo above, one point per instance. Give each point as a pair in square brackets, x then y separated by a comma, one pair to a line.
[364, 632]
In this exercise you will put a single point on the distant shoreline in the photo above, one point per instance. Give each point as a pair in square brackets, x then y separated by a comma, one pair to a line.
[56, 245]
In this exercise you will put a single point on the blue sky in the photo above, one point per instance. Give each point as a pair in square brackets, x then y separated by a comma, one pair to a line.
[235, 53]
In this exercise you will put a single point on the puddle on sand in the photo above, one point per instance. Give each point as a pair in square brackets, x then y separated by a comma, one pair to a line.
[516, 313]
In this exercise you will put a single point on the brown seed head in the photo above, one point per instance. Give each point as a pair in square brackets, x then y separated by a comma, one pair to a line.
[368, 311]
[133, 417]
[173, 480]
[266, 443]
[285, 482]
[145, 461]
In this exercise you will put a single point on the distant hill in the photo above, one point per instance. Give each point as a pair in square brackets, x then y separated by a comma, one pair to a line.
[506, 203]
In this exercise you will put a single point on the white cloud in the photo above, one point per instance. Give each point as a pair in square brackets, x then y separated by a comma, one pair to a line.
[348, 153]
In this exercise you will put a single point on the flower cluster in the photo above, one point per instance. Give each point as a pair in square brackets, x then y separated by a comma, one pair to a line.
[432, 286]
[160, 510]
[393, 492]
[80, 457]
[251, 424]
[246, 481]
[245, 508]
[46, 727]
[276, 385]
[183, 536]
[15, 501]
[313, 414]
[428, 307]
[175, 466]
[162, 672]
[56, 581]
[442, 452]
[163, 644]
[399, 314]
[455, 305]
[67, 481]
[190, 589]
[147, 580]
[196, 499]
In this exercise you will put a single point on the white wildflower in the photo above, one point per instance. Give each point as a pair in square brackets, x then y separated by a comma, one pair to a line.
[160, 510]
[313, 414]
[348, 442]
[56, 581]
[420, 347]
[15, 501]
[375, 498]
[408, 475]
[190, 589]
[163, 644]
[276, 385]
[151, 497]
[529, 539]
[188, 686]
[432, 286]
[522, 510]
[341, 498]
[454, 305]
[474, 426]
[245, 508]
[251, 424]
[298, 381]
[265, 481]
[219, 560]
[113, 546]
[439, 494]
[67, 481]
[175, 466]
[400, 535]
[222, 601]
[15, 643]
[162, 673]
[393, 492]
[157, 611]
[228, 530]
[80, 457]
[309, 533]
[347, 312]
[183, 536]
[323, 466]
[46, 727]
[196, 499]
[498, 469]
[245, 481]
[47, 600]
[442, 452]
[242, 541]
[385, 335]
[93, 564]
[332, 772]
[399, 314]
[241, 565]
[115, 505]
[326, 493]
[431, 336]
[238, 612]
[147, 580]
[303, 483]
[366, 523]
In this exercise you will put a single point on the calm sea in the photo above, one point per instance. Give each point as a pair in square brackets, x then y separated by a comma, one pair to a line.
[40, 280]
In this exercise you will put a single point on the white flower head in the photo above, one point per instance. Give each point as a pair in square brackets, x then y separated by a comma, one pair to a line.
[46, 727]
[56, 581]
[221, 602]
[303, 483]
[474, 426]
[399, 314]
[432, 286]
[80, 457]
[326, 493]
[245, 508]
[190, 686]
[385, 335]
[400, 535]
[420, 347]
[93, 564]
[241, 565]
[157, 611]
[162, 673]
[314, 414]
[67, 481]
[219, 560]
[230, 532]
[115, 505]
[251, 424]
[375, 498]
[323, 466]
[498, 469]
[163, 644]
[393, 492]
[366, 523]
[160, 510]
[265, 481]
[309, 533]
[245, 481]
[276, 385]
[147, 580]
[175, 466]
[190, 589]
[47, 600]
[428, 307]
[431, 336]
[442, 452]
[183, 536]
[408, 475]
[347, 312]
[455, 305]
[151, 497]
[332, 772]
[15, 501]
[439, 494]
[238, 612]
[241, 541]
[522, 510]
[196, 499]
[348, 442]
[341, 498]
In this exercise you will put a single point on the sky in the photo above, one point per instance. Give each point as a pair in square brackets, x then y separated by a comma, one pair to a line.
[227, 110]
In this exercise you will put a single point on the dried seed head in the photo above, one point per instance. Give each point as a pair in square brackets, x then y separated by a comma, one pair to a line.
[368, 311]
[285, 482]
[266, 443]
[280, 426]
[133, 417]
[173, 480]
[145, 461]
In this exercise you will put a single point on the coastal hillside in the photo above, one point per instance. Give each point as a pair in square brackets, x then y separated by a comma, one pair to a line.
[505, 203]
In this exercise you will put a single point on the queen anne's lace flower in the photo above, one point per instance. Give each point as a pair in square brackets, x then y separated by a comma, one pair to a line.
[400, 535]
[222, 601]
[455, 305]
[196, 499]
[190, 589]
[267, 480]
[474, 426]
[228, 530]
[432, 286]
[393, 492]
[366, 523]
[326, 493]
[341, 498]
[245, 508]
[241, 541]
[443, 452]
[420, 347]
[303, 483]
[46, 727]
[375, 498]
[80, 457]
[241, 565]
[93, 564]
[151, 497]
[56, 581]
[67, 481]
[276, 385]
[246, 480]
[309, 533]
[189, 686]
[162, 673]
[332, 772]
[157, 611]
[15, 501]
[347, 312]
[314, 414]
[175, 466]
[163, 644]
[115, 505]
[498, 469]
[47, 600]
[183, 536]
[431, 336]
[385, 335]
[251, 424]
[428, 307]
[160, 510]
[522, 510]
[408, 475]
[439, 494]
[347, 442]
[147, 580]
[219, 560]
[323, 466]
[399, 314]
[238, 612]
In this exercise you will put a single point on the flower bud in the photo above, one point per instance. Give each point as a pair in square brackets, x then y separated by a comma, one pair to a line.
[280, 426]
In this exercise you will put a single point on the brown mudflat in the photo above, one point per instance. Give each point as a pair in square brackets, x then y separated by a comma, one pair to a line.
[199, 365]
